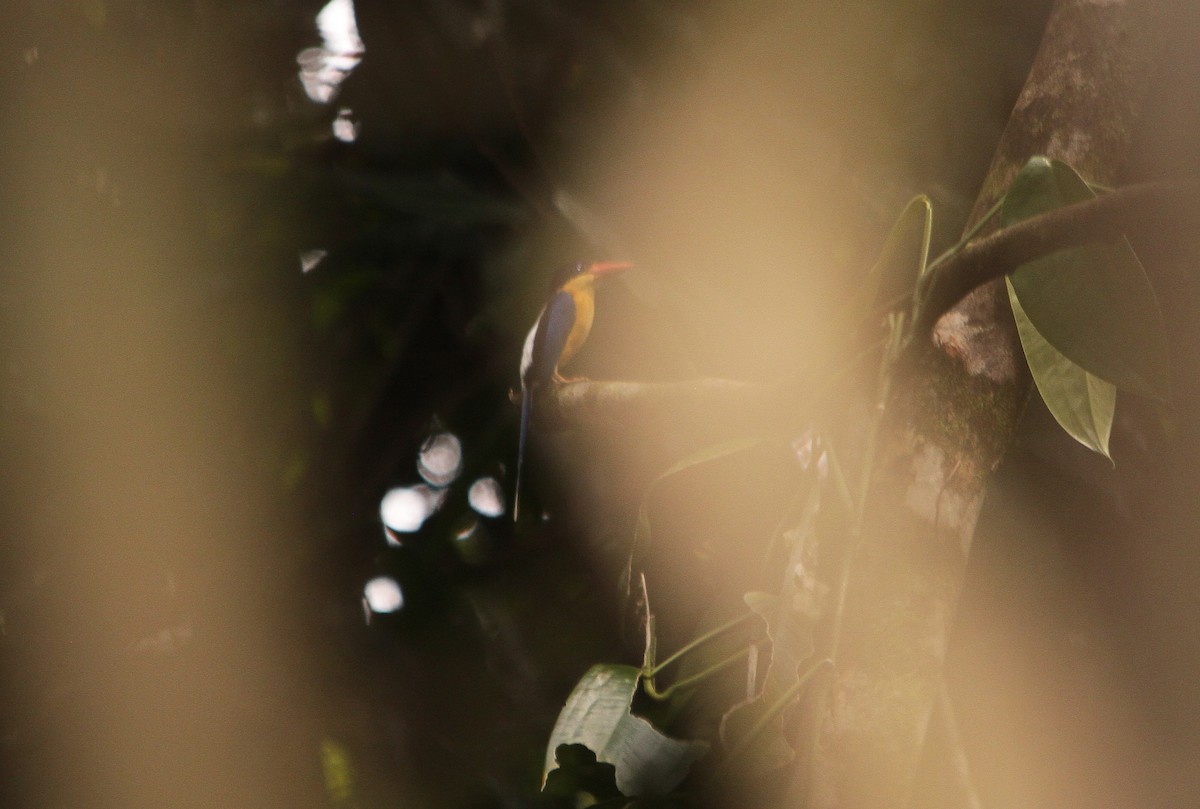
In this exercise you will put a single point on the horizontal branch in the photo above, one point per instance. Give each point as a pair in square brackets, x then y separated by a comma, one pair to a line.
[1160, 209]
[696, 401]
[1149, 209]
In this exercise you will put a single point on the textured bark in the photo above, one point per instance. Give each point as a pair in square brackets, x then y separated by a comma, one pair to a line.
[950, 420]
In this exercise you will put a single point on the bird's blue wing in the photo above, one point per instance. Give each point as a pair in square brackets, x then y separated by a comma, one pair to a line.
[550, 335]
[526, 412]
[554, 326]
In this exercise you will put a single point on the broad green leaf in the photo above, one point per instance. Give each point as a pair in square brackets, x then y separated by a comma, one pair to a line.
[597, 715]
[1033, 191]
[1083, 404]
[906, 250]
[901, 261]
[1094, 303]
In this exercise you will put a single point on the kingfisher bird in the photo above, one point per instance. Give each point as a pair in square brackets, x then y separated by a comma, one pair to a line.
[558, 333]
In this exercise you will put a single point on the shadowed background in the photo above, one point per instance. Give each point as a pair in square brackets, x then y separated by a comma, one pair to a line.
[249, 272]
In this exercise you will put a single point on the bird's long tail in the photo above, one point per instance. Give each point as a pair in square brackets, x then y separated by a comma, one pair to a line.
[526, 412]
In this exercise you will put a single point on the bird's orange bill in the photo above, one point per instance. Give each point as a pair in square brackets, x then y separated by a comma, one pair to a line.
[606, 267]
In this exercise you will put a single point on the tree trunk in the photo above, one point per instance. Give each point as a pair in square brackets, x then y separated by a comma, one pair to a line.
[949, 422]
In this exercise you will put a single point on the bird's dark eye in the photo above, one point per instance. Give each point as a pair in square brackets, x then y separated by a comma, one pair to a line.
[566, 272]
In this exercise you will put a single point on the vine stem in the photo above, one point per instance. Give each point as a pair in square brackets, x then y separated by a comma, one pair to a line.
[971, 233]
[925, 279]
[897, 340]
[776, 707]
[651, 670]
[654, 693]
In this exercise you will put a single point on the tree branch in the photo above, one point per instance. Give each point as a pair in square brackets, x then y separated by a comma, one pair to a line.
[707, 403]
[1143, 209]
[1154, 209]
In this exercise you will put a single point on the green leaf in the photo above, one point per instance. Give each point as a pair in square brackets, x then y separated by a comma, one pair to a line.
[902, 260]
[1033, 191]
[597, 714]
[1083, 404]
[1094, 303]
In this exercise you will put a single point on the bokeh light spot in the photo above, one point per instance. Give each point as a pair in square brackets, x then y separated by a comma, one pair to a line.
[406, 508]
[440, 460]
[345, 128]
[322, 70]
[382, 595]
[486, 497]
[310, 259]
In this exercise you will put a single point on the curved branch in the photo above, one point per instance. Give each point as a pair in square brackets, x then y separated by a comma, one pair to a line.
[1140, 209]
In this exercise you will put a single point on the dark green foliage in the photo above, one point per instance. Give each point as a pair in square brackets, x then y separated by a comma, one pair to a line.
[1094, 304]
[577, 771]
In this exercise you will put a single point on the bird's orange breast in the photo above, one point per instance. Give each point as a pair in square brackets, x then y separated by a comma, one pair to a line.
[582, 292]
